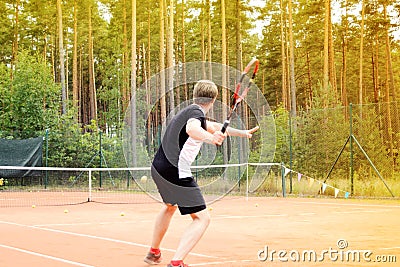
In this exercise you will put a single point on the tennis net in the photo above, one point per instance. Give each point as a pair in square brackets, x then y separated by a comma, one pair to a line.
[41, 186]
[68, 186]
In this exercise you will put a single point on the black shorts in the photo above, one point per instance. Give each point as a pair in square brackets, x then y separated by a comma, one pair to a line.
[183, 192]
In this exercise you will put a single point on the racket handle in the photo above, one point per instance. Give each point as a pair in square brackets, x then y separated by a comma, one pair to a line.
[225, 126]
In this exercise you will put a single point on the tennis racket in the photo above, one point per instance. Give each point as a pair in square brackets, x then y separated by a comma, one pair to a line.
[236, 98]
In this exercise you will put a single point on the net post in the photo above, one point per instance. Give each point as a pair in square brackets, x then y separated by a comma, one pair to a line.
[247, 182]
[101, 157]
[283, 180]
[46, 179]
[90, 186]
[351, 149]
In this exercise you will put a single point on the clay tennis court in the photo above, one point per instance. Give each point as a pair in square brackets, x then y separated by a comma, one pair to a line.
[242, 232]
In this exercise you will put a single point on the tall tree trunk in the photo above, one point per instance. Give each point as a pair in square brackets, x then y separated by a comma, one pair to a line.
[344, 59]
[133, 86]
[148, 87]
[149, 46]
[183, 47]
[53, 60]
[61, 53]
[14, 55]
[209, 57]
[326, 50]
[202, 40]
[332, 68]
[239, 65]
[310, 90]
[344, 74]
[14, 51]
[125, 68]
[360, 82]
[67, 70]
[81, 94]
[283, 57]
[224, 57]
[224, 71]
[75, 85]
[170, 56]
[374, 68]
[176, 56]
[92, 85]
[289, 102]
[163, 103]
[293, 104]
[44, 48]
[376, 83]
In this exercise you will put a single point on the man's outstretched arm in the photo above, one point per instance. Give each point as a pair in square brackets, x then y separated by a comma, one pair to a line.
[215, 126]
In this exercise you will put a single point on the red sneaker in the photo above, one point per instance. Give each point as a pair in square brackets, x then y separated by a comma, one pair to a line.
[180, 265]
[152, 258]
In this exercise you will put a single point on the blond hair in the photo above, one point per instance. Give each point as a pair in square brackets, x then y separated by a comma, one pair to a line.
[204, 92]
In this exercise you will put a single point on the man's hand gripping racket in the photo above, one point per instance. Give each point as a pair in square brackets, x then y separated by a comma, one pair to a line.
[236, 98]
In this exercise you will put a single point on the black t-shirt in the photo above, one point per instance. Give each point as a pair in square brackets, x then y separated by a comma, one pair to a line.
[177, 151]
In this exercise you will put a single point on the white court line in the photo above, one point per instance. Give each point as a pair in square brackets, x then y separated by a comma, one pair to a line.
[220, 262]
[392, 248]
[97, 223]
[102, 238]
[348, 204]
[74, 224]
[360, 211]
[46, 256]
[248, 216]
[307, 214]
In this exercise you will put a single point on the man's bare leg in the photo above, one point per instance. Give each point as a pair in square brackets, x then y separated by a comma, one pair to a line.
[193, 233]
[161, 225]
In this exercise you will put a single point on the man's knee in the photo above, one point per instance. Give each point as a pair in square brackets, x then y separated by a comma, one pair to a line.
[203, 216]
[170, 208]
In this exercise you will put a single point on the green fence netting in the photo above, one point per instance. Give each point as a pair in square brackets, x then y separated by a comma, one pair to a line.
[25, 152]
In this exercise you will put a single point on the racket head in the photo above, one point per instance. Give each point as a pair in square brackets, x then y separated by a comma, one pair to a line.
[239, 96]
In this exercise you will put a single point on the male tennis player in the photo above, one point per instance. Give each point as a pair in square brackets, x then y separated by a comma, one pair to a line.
[171, 171]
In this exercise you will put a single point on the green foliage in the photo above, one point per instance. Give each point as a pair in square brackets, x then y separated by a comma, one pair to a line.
[368, 133]
[30, 100]
[282, 135]
[73, 146]
[5, 98]
[29, 104]
[320, 136]
[5, 33]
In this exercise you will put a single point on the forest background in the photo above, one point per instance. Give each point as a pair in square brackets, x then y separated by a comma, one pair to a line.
[71, 67]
